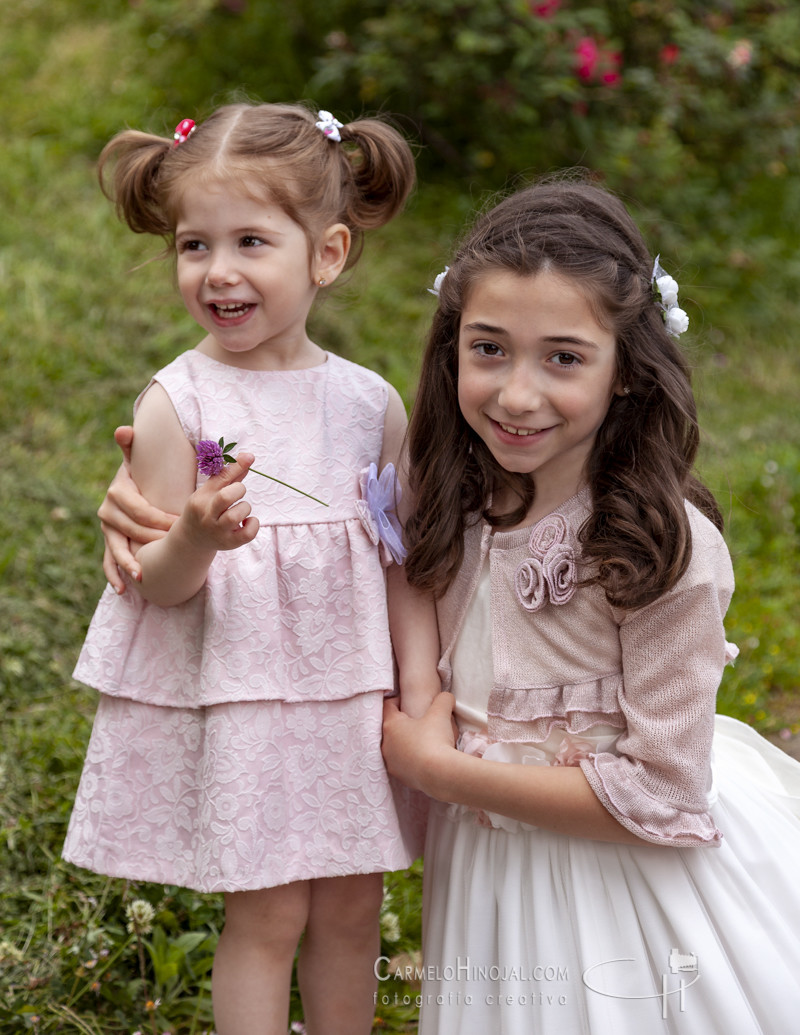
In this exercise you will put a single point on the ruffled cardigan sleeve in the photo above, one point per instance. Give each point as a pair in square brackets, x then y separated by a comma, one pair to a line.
[673, 654]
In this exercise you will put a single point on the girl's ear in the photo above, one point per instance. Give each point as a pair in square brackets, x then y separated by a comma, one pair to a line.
[334, 247]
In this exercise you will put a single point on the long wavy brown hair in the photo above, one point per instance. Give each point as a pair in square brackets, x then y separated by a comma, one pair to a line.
[637, 542]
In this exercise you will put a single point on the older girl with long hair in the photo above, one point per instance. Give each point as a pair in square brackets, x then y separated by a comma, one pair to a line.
[603, 856]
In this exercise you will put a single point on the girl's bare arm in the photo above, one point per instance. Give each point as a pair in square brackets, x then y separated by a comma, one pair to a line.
[213, 517]
[412, 615]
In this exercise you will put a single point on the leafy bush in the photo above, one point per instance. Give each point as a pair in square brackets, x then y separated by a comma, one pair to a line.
[520, 83]
[688, 108]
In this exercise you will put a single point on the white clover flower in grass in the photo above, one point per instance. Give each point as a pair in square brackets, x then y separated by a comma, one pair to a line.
[390, 926]
[140, 916]
[9, 953]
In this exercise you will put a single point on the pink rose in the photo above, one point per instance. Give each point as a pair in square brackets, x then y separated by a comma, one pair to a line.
[573, 750]
[545, 9]
[548, 532]
[587, 54]
[670, 53]
[530, 584]
[558, 569]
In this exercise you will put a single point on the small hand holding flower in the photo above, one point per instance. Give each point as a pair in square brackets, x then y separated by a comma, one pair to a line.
[216, 516]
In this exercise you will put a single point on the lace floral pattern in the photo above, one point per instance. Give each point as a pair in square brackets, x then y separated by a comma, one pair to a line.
[299, 613]
[237, 741]
[238, 796]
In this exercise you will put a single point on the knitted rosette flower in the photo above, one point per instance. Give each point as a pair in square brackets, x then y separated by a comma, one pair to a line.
[549, 574]
[530, 584]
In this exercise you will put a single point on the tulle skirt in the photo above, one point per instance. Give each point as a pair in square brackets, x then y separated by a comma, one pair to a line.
[533, 933]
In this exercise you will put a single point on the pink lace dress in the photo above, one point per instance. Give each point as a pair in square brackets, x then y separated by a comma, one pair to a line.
[527, 931]
[237, 740]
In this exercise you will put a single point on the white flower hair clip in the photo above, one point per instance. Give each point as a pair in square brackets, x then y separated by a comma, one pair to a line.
[329, 125]
[437, 284]
[675, 319]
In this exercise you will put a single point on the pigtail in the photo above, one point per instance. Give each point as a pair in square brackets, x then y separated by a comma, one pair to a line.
[133, 186]
[382, 171]
[361, 178]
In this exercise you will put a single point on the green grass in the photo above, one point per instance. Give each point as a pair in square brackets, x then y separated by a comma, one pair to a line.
[80, 336]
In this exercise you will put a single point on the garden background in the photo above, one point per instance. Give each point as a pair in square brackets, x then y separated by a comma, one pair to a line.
[690, 110]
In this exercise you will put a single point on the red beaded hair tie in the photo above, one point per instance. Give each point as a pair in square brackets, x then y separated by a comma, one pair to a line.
[183, 131]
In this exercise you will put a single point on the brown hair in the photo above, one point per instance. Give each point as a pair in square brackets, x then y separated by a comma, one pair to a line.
[272, 151]
[637, 541]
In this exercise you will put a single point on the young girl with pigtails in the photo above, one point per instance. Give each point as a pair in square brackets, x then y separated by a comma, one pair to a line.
[604, 856]
[236, 746]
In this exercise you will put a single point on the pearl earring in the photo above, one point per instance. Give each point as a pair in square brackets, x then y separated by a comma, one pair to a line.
[322, 282]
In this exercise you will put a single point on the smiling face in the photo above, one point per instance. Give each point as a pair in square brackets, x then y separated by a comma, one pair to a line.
[245, 275]
[536, 375]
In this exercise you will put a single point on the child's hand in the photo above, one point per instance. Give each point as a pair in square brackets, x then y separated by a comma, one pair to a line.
[416, 750]
[216, 515]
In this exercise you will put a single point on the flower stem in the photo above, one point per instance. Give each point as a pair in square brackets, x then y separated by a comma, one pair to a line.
[288, 486]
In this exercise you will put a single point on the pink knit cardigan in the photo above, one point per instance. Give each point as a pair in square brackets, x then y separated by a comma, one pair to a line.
[565, 658]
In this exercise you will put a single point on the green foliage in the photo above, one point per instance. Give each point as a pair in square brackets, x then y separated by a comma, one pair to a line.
[690, 109]
[516, 83]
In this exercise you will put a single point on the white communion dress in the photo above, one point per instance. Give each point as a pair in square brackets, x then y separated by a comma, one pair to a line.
[528, 932]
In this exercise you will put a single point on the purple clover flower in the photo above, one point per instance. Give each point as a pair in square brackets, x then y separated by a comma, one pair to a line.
[210, 457]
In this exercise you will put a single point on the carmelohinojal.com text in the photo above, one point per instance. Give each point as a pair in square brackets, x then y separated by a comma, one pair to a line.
[465, 969]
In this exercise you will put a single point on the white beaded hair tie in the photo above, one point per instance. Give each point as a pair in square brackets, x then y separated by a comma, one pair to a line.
[329, 125]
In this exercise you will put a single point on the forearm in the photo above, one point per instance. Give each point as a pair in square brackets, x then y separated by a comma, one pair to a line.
[555, 798]
[173, 568]
[415, 640]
